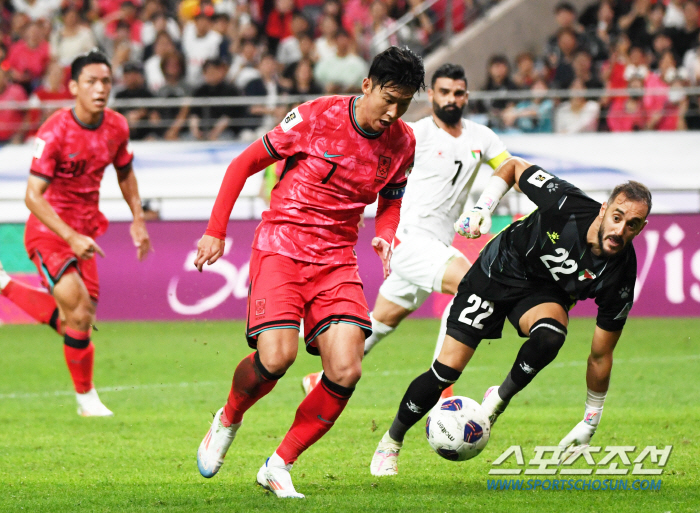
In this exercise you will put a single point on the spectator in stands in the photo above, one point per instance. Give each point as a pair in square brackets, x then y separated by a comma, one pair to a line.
[264, 116]
[303, 81]
[163, 45]
[126, 15]
[567, 44]
[244, 67]
[565, 17]
[12, 120]
[288, 50]
[660, 45]
[172, 66]
[691, 63]
[307, 51]
[144, 122]
[684, 38]
[200, 43]
[122, 49]
[419, 34]
[279, 23]
[158, 22]
[71, 38]
[325, 43]
[221, 23]
[343, 72]
[634, 23]
[525, 71]
[498, 80]
[18, 23]
[626, 112]
[582, 64]
[533, 115]
[356, 16]
[53, 88]
[600, 37]
[370, 39]
[578, 114]
[212, 122]
[37, 9]
[661, 114]
[29, 57]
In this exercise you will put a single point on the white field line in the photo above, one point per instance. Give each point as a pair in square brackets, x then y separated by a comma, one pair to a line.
[397, 372]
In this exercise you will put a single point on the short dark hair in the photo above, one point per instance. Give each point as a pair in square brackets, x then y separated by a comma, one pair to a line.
[217, 62]
[565, 6]
[633, 191]
[499, 59]
[398, 67]
[94, 56]
[447, 70]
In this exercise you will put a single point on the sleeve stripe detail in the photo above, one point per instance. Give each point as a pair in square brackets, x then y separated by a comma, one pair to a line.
[396, 185]
[125, 166]
[41, 175]
[271, 149]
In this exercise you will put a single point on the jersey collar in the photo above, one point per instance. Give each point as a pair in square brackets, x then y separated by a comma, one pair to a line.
[356, 125]
[85, 125]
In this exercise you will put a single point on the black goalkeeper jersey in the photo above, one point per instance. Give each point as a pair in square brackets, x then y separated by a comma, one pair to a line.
[549, 248]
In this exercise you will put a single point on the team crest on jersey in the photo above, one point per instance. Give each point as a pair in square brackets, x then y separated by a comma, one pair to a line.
[586, 275]
[291, 120]
[553, 236]
[476, 154]
[539, 178]
[39, 145]
[383, 166]
[409, 170]
[259, 307]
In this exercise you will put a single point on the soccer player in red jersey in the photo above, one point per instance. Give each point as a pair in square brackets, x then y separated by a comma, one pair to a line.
[339, 153]
[73, 148]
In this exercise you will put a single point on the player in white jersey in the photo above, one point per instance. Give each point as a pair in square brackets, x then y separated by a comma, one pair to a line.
[449, 154]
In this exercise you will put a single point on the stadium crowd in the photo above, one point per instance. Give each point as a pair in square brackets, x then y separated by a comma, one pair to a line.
[268, 49]
[205, 49]
[639, 53]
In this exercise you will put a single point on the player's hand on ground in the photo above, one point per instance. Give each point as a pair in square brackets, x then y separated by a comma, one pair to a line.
[580, 435]
[472, 223]
[383, 249]
[209, 250]
[142, 241]
[84, 247]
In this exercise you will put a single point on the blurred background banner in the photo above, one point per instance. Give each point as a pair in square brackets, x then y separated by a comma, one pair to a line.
[167, 286]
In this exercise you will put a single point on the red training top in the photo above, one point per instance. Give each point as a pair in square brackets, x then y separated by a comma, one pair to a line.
[72, 156]
[333, 169]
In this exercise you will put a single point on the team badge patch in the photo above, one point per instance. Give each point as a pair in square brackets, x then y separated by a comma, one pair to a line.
[539, 178]
[383, 166]
[291, 120]
[39, 145]
[259, 307]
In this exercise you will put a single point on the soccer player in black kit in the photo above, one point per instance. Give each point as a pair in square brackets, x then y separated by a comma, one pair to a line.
[570, 248]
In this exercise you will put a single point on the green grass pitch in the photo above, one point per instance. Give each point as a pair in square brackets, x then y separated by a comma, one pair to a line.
[164, 381]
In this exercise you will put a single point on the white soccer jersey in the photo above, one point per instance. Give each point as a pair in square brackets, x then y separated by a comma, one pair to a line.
[443, 172]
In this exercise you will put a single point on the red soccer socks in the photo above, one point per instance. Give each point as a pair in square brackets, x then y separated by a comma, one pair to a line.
[36, 302]
[251, 382]
[80, 355]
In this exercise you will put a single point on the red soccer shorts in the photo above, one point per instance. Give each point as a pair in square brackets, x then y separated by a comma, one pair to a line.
[283, 291]
[53, 258]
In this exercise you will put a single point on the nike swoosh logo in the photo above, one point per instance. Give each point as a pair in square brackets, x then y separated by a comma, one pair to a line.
[323, 420]
[326, 155]
[73, 155]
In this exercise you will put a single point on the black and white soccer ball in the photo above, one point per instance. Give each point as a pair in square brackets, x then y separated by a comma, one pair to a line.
[457, 428]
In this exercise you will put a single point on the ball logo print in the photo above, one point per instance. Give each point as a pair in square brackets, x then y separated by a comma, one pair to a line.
[457, 428]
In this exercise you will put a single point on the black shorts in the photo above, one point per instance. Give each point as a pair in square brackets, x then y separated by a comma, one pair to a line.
[482, 305]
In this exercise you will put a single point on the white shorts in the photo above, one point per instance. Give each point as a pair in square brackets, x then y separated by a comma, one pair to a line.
[418, 266]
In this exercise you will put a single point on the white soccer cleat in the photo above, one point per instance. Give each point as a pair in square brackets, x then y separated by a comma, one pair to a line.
[89, 405]
[274, 476]
[493, 404]
[309, 382]
[212, 450]
[4, 277]
[385, 461]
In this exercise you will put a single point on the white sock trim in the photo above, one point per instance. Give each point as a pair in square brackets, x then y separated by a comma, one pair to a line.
[379, 327]
[595, 399]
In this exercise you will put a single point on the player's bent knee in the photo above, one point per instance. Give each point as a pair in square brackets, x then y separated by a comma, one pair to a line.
[346, 375]
[548, 336]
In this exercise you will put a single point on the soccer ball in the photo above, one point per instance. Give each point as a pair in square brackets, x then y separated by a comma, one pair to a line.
[457, 428]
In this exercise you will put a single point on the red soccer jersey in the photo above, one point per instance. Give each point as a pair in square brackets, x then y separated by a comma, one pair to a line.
[73, 156]
[333, 170]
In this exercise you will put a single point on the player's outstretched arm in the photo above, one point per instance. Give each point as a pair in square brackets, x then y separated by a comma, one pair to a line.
[597, 379]
[130, 191]
[84, 247]
[477, 220]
